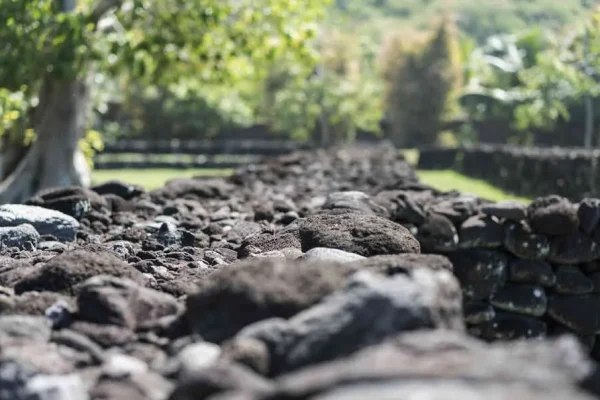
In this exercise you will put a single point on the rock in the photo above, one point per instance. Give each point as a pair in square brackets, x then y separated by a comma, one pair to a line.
[264, 243]
[457, 209]
[25, 327]
[506, 209]
[477, 312]
[579, 313]
[535, 272]
[368, 310]
[575, 248]
[392, 264]
[570, 280]
[333, 255]
[74, 201]
[105, 335]
[522, 299]
[52, 246]
[220, 377]
[553, 215]
[446, 365]
[480, 272]
[482, 232]
[249, 352]
[524, 244]
[118, 365]
[509, 326]
[54, 387]
[196, 356]
[118, 188]
[195, 188]
[139, 386]
[245, 292]
[589, 214]
[65, 272]
[45, 221]
[169, 235]
[402, 206]
[362, 234]
[110, 300]
[437, 234]
[19, 236]
[355, 201]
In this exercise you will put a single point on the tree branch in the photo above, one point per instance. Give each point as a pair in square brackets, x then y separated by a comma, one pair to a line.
[102, 7]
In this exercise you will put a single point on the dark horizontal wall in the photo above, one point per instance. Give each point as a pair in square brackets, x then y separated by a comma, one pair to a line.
[569, 172]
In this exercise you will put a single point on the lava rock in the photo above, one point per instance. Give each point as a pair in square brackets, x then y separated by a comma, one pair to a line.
[117, 188]
[392, 264]
[362, 234]
[65, 272]
[333, 255]
[355, 201]
[74, 201]
[45, 221]
[575, 248]
[245, 292]
[109, 300]
[480, 272]
[510, 326]
[19, 236]
[477, 312]
[589, 214]
[437, 234]
[521, 299]
[506, 209]
[579, 313]
[458, 209]
[536, 272]
[570, 280]
[482, 232]
[525, 244]
[368, 310]
[553, 215]
[25, 327]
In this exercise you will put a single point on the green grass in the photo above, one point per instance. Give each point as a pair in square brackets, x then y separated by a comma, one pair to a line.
[451, 180]
[153, 178]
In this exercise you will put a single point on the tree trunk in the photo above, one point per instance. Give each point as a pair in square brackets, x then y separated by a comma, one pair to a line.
[54, 159]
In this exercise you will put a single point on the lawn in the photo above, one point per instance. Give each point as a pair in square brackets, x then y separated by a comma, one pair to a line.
[153, 178]
[451, 180]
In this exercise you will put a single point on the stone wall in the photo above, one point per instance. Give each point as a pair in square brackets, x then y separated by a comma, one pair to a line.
[568, 172]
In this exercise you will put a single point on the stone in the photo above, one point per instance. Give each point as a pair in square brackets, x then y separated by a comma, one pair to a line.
[458, 208]
[510, 326]
[75, 201]
[480, 272]
[110, 300]
[553, 215]
[354, 201]
[266, 242]
[333, 255]
[477, 312]
[249, 352]
[523, 243]
[402, 206]
[570, 280]
[588, 214]
[45, 221]
[575, 248]
[581, 314]
[368, 310]
[248, 291]
[65, 272]
[437, 234]
[25, 327]
[391, 264]
[139, 386]
[52, 246]
[521, 299]
[535, 272]
[361, 234]
[195, 357]
[506, 209]
[481, 232]
[124, 190]
[18, 236]
[118, 365]
[55, 387]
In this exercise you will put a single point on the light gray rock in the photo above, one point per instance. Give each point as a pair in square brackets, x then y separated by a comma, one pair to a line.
[18, 236]
[56, 387]
[334, 255]
[29, 327]
[44, 220]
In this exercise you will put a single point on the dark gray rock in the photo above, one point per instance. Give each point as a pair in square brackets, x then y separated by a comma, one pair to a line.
[362, 234]
[392, 264]
[482, 232]
[589, 214]
[457, 209]
[553, 215]
[110, 300]
[480, 272]
[570, 280]
[579, 313]
[245, 292]
[125, 190]
[19, 236]
[333, 255]
[506, 209]
[477, 312]
[169, 235]
[575, 248]
[535, 272]
[522, 299]
[44, 220]
[437, 234]
[368, 310]
[523, 243]
[52, 245]
[355, 201]
[510, 326]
